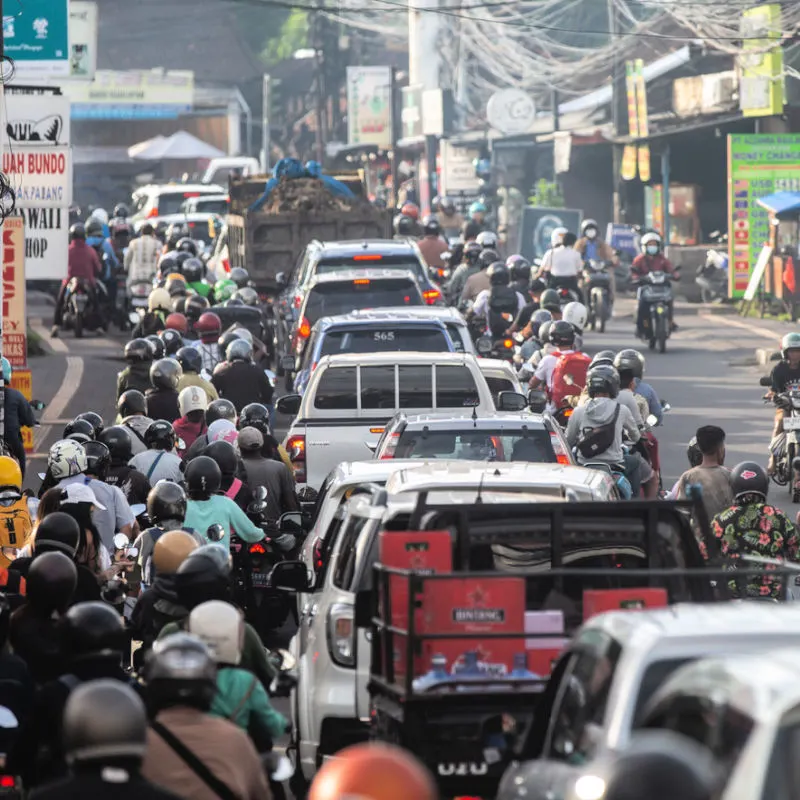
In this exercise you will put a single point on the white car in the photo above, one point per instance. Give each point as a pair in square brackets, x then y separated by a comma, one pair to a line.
[500, 376]
[162, 199]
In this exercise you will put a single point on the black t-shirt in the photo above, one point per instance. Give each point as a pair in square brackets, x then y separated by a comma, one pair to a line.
[162, 404]
[784, 377]
[524, 316]
[131, 483]
[242, 383]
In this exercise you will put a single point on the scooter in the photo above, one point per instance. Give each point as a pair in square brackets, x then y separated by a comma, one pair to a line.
[712, 277]
[82, 309]
[597, 287]
[786, 447]
[655, 293]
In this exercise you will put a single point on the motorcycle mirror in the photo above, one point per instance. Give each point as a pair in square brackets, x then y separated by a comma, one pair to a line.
[215, 532]
[484, 345]
[288, 661]
[765, 381]
[121, 541]
[138, 509]
[180, 444]
[291, 522]
[260, 494]
[41, 475]
[666, 407]
[38, 405]
[8, 718]
[133, 552]
[652, 420]
[283, 771]
[133, 318]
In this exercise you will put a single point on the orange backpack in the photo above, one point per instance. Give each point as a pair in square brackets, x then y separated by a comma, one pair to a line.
[569, 377]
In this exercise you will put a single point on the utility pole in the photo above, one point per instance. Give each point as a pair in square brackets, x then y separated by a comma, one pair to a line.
[617, 96]
[395, 117]
[319, 97]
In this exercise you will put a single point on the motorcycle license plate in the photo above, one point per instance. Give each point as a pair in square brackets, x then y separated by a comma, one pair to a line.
[259, 579]
[139, 302]
[791, 424]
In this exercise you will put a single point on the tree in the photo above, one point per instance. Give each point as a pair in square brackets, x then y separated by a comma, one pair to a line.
[293, 36]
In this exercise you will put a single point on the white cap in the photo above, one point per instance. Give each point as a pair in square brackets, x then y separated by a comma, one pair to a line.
[80, 493]
[192, 398]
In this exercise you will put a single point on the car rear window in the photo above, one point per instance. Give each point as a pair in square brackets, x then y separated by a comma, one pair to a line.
[472, 444]
[211, 206]
[170, 203]
[455, 336]
[455, 387]
[384, 339]
[332, 299]
[336, 390]
[370, 261]
[497, 385]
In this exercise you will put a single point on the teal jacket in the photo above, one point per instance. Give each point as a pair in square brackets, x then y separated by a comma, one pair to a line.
[202, 514]
[241, 699]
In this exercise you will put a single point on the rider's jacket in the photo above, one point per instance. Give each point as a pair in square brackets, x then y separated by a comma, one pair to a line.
[82, 262]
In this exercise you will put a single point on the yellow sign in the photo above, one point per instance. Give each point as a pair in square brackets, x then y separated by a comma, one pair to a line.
[22, 381]
[634, 157]
[643, 158]
[630, 87]
[761, 81]
[628, 168]
[15, 340]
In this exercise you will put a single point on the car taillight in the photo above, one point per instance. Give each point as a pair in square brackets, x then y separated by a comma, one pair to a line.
[431, 296]
[317, 550]
[7, 782]
[340, 634]
[226, 265]
[389, 446]
[258, 549]
[153, 212]
[304, 329]
[562, 456]
[298, 300]
[296, 448]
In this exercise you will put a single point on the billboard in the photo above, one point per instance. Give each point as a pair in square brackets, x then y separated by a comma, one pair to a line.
[761, 67]
[82, 39]
[369, 106]
[36, 37]
[758, 164]
[36, 119]
[15, 347]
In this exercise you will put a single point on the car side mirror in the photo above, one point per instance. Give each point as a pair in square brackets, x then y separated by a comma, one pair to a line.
[291, 522]
[766, 380]
[215, 533]
[484, 345]
[364, 609]
[287, 363]
[511, 401]
[291, 575]
[537, 401]
[288, 404]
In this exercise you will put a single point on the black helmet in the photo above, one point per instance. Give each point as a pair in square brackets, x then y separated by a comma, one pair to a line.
[239, 276]
[165, 373]
[537, 285]
[602, 380]
[248, 295]
[488, 257]
[255, 415]
[203, 478]
[234, 301]
[98, 460]
[603, 357]
[472, 251]
[131, 402]
[550, 300]
[205, 574]
[77, 231]
[239, 350]
[498, 274]
[519, 268]
[431, 226]
[487, 240]
[160, 435]
[121, 210]
[118, 441]
[180, 670]
[630, 360]
[157, 349]
[104, 720]
[168, 264]
[94, 227]
[178, 303]
[51, 582]
[225, 455]
[181, 257]
[92, 630]
[190, 359]
[193, 270]
[538, 318]
[79, 430]
[173, 341]
[226, 339]
[58, 532]
[749, 478]
[138, 350]
[403, 225]
[166, 502]
[693, 453]
[562, 334]
[95, 419]
[195, 306]
[186, 245]
[220, 409]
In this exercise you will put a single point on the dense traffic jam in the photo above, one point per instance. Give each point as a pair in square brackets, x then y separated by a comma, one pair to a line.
[383, 528]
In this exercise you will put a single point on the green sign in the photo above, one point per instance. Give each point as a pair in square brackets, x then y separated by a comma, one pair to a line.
[36, 36]
[759, 164]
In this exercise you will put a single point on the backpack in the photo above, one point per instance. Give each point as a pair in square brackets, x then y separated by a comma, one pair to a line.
[569, 377]
[594, 441]
[15, 524]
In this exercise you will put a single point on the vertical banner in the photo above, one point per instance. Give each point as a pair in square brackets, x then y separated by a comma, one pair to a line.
[629, 155]
[643, 126]
[15, 345]
[82, 39]
[369, 106]
[761, 91]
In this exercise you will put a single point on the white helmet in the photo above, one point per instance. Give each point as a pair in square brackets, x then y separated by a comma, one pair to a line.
[221, 626]
[159, 299]
[575, 314]
[556, 235]
[243, 333]
[66, 458]
[192, 398]
[650, 238]
[101, 214]
[487, 240]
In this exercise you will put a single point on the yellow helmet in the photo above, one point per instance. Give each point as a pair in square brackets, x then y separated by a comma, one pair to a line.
[10, 473]
[171, 551]
[176, 276]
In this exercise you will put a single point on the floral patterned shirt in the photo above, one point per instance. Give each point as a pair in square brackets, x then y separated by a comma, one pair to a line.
[752, 527]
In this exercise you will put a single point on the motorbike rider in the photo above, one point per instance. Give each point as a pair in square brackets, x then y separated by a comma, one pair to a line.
[18, 415]
[265, 471]
[141, 260]
[194, 271]
[162, 397]
[373, 771]
[208, 328]
[562, 264]
[501, 304]
[785, 377]
[217, 409]
[751, 526]
[193, 403]
[195, 306]
[404, 227]
[15, 517]
[228, 462]
[633, 361]
[240, 697]
[132, 414]
[177, 322]
[562, 337]
[159, 462]
[468, 267]
[191, 361]
[136, 375]
[532, 297]
[239, 380]
[652, 259]
[130, 481]
[710, 474]
[206, 508]
[477, 215]
[159, 304]
[605, 414]
[576, 314]
[82, 263]
[520, 271]
[626, 397]
[240, 276]
[479, 281]
[172, 340]
[257, 416]
[181, 684]
[432, 245]
[104, 742]
[449, 218]
[592, 246]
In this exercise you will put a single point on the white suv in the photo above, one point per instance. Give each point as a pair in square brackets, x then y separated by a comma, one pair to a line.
[162, 199]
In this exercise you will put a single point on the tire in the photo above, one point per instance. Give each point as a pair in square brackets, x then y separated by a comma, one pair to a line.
[651, 343]
[794, 494]
[78, 325]
[661, 335]
[601, 311]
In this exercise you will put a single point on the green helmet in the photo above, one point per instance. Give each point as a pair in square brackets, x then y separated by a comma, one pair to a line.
[790, 342]
[550, 300]
[224, 290]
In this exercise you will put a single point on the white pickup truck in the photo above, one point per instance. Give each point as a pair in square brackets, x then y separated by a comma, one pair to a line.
[350, 398]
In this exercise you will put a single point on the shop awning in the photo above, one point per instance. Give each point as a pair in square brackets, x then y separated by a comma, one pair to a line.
[780, 202]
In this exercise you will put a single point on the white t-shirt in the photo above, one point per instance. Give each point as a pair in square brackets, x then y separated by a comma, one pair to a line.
[562, 262]
[481, 307]
[544, 372]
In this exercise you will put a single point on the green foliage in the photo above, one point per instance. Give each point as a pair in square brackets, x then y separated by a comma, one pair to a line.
[546, 194]
[293, 36]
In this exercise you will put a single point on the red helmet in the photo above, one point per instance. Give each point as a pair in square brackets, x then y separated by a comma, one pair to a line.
[410, 210]
[208, 327]
[176, 321]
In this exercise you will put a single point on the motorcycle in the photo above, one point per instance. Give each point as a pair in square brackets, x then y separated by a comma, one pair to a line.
[712, 277]
[786, 447]
[82, 307]
[655, 294]
[597, 288]
[138, 295]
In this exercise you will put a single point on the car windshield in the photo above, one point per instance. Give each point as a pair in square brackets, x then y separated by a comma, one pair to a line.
[370, 261]
[170, 203]
[342, 297]
[207, 206]
[529, 444]
[654, 676]
[384, 339]
[497, 385]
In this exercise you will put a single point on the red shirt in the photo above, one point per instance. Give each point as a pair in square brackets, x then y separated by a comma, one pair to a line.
[644, 263]
[83, 262]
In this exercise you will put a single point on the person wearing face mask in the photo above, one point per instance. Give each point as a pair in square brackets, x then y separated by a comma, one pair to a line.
[592, 247]
[652, 259]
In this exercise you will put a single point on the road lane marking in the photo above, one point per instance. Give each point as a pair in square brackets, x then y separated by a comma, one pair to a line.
[69, 386]
[766, 333]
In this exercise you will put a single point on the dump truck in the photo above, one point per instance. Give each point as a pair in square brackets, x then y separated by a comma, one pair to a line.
[269, 241]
